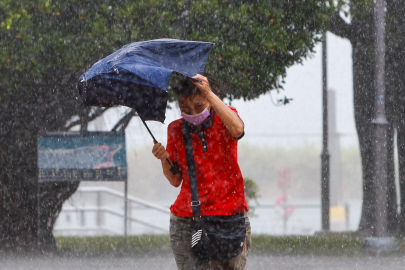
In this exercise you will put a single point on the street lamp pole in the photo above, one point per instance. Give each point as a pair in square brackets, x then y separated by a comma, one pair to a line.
[380, 125]
[325, 157]
[380, 243]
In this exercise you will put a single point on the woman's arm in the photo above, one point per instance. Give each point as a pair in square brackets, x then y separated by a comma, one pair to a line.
[232, 121]
[160, 153]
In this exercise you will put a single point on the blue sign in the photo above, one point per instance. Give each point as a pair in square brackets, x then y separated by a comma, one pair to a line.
[71, 156]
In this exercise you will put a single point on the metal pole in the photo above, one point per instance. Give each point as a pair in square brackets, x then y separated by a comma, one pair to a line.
[125, 214]
[325, 192]
[82, 217]
[129, 217]
[380, 243]
[99, 212]
[380, 124]
[38, 215]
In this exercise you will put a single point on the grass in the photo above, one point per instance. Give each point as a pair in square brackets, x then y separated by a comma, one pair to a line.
[306, 245]
[348, 244]
[113, 244]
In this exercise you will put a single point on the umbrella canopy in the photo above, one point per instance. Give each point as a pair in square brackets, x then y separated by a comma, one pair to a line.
[137, 75]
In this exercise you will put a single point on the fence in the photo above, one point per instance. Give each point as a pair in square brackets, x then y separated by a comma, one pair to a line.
[100, 215]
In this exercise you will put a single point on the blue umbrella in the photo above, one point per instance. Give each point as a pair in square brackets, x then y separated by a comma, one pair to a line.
[137, 75]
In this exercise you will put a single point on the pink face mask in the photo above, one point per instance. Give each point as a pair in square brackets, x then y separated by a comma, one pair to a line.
[196, 119]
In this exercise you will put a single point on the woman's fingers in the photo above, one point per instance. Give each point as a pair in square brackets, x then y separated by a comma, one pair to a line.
[200, 77]
[204, 85]
[155, 147]
[159, 151]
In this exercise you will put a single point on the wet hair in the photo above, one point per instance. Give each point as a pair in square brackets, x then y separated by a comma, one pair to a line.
[185, 88]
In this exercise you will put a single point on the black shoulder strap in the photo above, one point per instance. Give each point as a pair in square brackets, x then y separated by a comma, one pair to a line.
[192, 176]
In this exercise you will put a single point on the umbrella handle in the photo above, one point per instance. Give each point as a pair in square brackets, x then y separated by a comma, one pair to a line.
[174, 170]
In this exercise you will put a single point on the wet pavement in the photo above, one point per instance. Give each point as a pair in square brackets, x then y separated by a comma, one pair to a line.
[165, 261]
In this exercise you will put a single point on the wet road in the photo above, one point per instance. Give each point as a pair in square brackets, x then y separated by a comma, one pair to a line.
[163, 262]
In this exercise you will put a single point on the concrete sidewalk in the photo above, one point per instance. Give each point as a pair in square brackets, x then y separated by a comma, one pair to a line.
[166, 261]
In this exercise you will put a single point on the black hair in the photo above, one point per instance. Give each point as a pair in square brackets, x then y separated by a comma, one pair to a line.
[185, 88]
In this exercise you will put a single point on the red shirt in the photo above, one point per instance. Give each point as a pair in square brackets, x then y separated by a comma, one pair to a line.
[219, 179]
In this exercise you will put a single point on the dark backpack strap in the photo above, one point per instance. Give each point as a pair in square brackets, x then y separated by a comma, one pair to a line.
[192, 176]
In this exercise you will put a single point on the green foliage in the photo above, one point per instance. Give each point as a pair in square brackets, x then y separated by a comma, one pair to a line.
[255, 41]
[112, 244]
[332, 245]
[361, 9]
[251, 192]
[251, 188]
[71, 35]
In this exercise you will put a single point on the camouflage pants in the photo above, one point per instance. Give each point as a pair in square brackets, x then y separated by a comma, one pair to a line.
[181, 229]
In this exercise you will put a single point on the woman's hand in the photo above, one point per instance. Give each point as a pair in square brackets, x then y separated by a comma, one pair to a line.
[203, 86]
[159, 151]
[232, 122]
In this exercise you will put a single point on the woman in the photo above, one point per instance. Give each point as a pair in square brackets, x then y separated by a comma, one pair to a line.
[215, 130]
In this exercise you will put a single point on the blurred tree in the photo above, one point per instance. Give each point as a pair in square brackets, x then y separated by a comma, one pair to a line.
[251, 193]
[46, 44]
[360, 31]
[251, 189]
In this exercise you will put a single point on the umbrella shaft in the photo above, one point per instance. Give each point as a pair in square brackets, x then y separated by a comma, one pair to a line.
[153, 137]
[173, 169]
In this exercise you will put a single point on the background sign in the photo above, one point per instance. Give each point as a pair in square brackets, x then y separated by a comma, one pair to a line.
[284, 178]
[70, 156]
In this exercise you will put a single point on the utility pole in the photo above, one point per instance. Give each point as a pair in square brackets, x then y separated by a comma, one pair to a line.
[380, 243]
[325, 164]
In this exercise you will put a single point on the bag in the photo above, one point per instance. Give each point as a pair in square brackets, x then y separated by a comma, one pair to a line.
[218, 239]
[213, 238]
